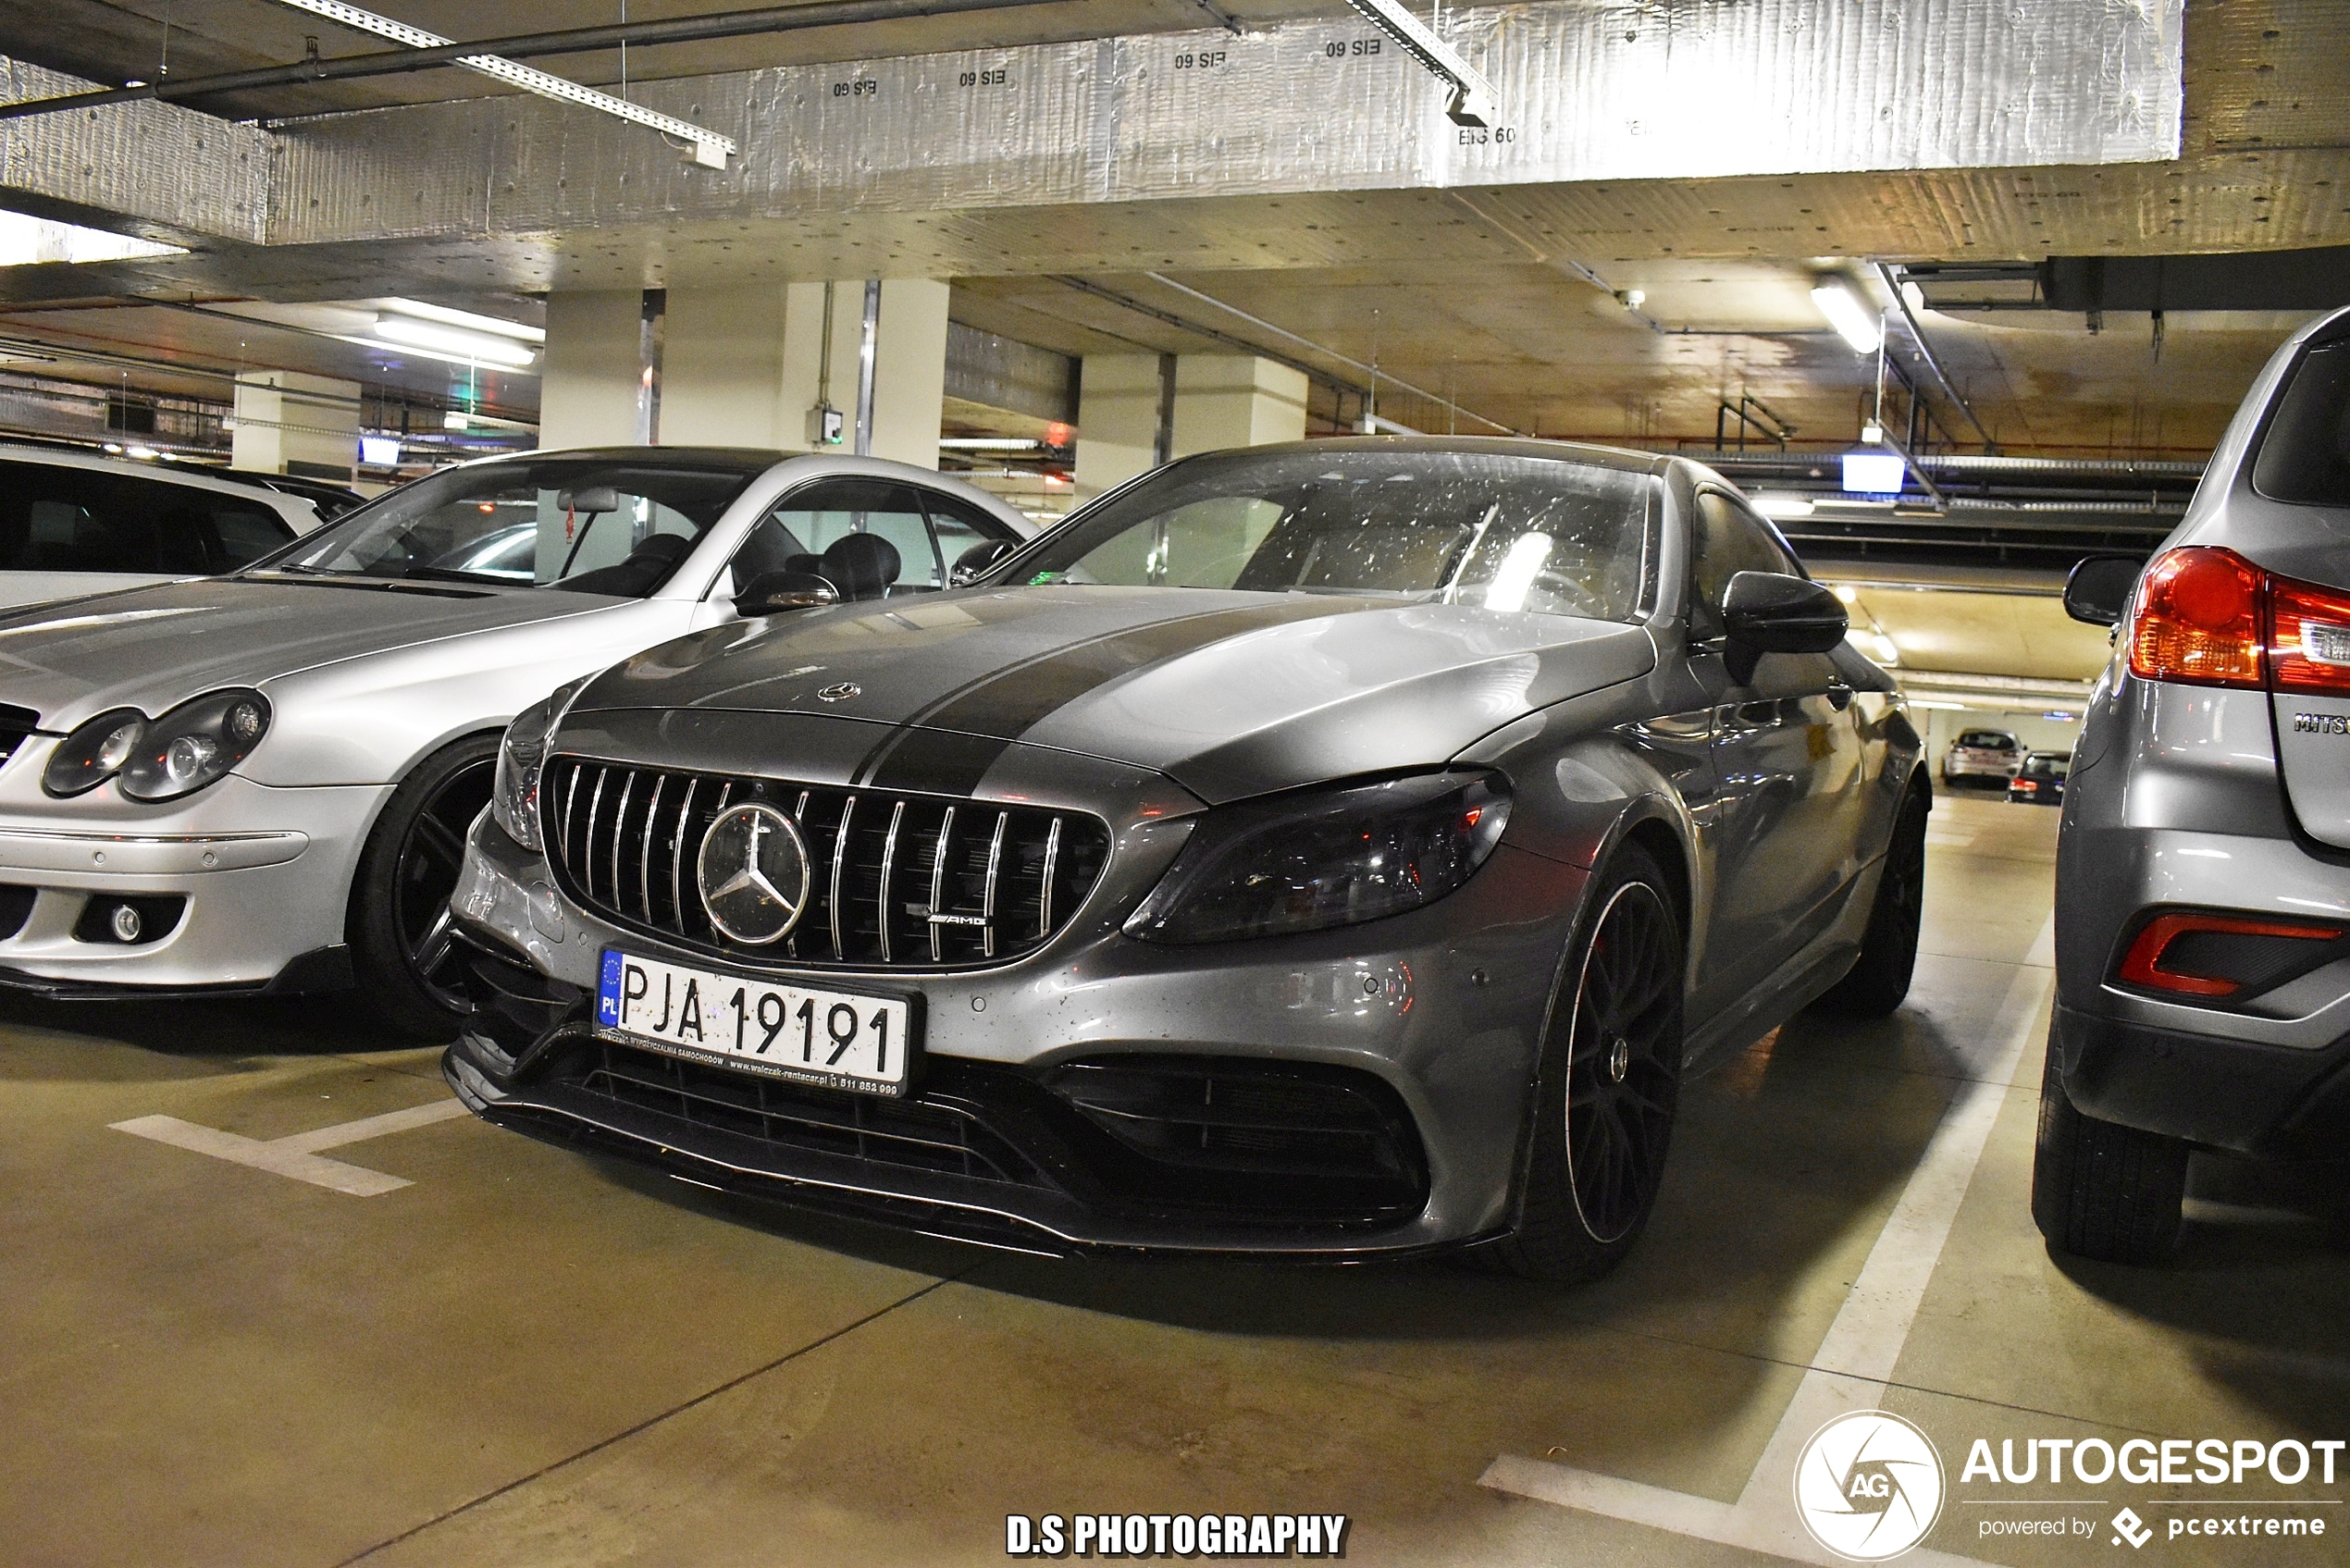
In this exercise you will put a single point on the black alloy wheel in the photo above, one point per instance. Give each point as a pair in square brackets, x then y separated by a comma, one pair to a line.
[403, 949]
[1607, 1086]
[1623, 1068]
[1878, 980]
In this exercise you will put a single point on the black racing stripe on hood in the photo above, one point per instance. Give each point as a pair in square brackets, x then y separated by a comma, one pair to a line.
[930, 762]
[1010, 701]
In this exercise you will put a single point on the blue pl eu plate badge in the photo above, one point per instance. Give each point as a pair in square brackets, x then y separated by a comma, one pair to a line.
[608, 993]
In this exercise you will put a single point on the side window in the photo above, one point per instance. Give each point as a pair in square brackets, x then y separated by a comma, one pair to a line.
[822, 515]
[1730, 540]
[246, 533]
[960, 527]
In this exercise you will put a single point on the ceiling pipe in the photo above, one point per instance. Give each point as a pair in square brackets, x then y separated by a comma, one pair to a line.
[569, 40]
[1892, 281]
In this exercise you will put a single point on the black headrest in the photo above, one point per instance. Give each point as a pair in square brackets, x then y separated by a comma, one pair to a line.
[667, 548]
[861, 565]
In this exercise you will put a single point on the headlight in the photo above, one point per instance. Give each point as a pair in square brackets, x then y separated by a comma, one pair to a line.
[94, 752]
[1328, 858]
[196, 743]
[514, 799]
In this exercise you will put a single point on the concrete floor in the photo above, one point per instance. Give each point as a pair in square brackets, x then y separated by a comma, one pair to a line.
[527, 1357]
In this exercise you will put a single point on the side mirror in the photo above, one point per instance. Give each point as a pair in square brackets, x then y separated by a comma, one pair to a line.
[772, 593]
[2099, 588]
[974, 563]
[1772, 612]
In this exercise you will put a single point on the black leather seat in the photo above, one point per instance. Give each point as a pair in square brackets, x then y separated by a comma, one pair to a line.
[860, 565]
[637, 575]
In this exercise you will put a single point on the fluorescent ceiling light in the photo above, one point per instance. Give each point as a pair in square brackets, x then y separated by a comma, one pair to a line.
[1873, 473]
[466, 319]
[1848, 316]
[381, 451]
[453, 341]
[710, 149]
[988, 443]
[1784, 506]
[28, 241]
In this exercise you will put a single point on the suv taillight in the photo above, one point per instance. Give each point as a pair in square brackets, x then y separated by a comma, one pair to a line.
[2206, 616]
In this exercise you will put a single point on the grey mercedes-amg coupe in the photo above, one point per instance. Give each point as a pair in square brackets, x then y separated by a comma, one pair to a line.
[1323, 850]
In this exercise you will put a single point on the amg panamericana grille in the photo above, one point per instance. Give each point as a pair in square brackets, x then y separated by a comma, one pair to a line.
[895, 881]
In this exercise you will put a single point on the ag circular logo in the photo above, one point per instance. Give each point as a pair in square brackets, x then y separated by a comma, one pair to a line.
[752, 874]
[1868, 1486]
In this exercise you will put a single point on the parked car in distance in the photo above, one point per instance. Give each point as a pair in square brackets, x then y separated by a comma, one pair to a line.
[2040, 780]
[1328, 850]
[2202, 905]
[262, 782]
[1982, 754]
[74, 523]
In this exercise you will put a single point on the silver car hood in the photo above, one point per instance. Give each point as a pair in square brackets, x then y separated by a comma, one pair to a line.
[151, 647]
[1228, 694]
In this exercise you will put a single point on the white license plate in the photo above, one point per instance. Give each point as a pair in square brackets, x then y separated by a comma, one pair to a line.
[835, 1038]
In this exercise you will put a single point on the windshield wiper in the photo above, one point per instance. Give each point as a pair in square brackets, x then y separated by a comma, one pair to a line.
[458, 575]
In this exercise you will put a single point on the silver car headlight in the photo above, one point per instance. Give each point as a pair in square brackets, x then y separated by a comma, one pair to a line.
[196, 743]
[1312, 859]
[513, 801]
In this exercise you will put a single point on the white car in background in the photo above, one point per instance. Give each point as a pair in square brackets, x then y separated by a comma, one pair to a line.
[262, 782]
[73, 522]
[1982, 754]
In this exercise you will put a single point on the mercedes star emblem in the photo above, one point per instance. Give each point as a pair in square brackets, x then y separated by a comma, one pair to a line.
[840, 693]
[752, 874]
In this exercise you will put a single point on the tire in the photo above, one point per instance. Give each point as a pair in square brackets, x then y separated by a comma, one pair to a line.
[2103, 1190]
[401, 950]
[1878, 980]
[1606, 1087]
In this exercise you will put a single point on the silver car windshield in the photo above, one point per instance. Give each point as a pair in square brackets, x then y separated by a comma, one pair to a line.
[1495, 530]
[577, 523]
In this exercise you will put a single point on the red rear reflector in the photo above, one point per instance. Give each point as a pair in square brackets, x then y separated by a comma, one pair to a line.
[2198, 619]
[2142, 964]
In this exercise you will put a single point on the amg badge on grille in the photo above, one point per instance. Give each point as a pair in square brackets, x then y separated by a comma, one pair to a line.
[752, 874]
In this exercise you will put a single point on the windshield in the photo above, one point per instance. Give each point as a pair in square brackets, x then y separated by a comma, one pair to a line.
[1490, 529]
[1986, 740]
[2045, 765]
[583, 524]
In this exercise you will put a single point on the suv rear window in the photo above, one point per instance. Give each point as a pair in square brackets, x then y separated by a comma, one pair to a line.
[55, 518]
[2305, 456]
[1990, 740]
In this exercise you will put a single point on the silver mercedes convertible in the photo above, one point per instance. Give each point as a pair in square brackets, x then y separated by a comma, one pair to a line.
[262, 782]
[1321, 850]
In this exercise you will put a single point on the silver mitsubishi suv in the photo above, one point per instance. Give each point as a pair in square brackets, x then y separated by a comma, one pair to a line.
[2203, 872]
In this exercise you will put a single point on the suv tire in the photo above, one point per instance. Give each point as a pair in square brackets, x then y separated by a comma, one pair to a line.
[2103, 1190]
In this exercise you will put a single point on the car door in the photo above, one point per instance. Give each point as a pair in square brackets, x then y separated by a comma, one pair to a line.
[1788, 766]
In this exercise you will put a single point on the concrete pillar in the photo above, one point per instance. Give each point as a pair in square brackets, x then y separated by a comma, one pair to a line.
[1217, 400]
[746, 366]
[289, 423]
[593, 372]
[1236, 401]
[1118, 411]
[909, 370]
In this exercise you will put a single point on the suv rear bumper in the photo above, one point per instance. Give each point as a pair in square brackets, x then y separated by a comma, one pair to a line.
[2224, 1093]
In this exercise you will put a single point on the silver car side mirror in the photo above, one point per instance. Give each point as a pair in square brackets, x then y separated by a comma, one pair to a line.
[772, 593]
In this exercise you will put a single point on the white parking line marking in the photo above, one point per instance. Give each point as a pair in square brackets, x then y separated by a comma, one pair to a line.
[1856, 1360]
[298, 1155]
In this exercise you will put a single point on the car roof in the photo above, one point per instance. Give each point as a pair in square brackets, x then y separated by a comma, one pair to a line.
[1509, 446]
[170, 473]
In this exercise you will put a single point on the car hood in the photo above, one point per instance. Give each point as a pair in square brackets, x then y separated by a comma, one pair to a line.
[1228, 694]
[153, 647]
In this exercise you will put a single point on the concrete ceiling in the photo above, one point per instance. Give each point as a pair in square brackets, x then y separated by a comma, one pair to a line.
[1486, 295]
